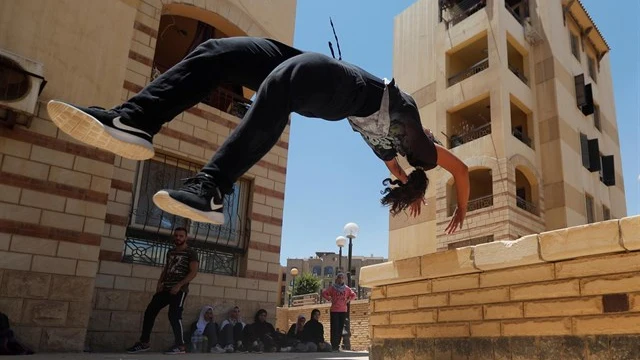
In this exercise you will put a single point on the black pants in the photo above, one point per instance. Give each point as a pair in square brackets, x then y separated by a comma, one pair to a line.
[211, 332]
[231, 334]
[286, 80]
[337, 326]
[158, 302]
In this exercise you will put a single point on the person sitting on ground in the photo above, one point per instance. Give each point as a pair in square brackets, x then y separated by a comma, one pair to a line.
[206, 326]
[313, 335]
[231, 331]
[294, 335]
[261, 336]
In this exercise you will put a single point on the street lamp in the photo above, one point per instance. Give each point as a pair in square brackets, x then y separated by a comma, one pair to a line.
[351, 232]
[294, 273]
[341, 241]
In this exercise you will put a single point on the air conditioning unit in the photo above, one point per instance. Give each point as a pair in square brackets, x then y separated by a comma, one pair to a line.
[21, 82]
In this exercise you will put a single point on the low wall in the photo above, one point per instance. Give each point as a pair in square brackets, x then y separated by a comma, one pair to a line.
[567, 294]
[285, 316]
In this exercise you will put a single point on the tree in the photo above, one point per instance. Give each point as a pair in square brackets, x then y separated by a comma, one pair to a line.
[306, 284]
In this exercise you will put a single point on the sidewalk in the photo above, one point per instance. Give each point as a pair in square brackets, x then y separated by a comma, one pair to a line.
[346, 355]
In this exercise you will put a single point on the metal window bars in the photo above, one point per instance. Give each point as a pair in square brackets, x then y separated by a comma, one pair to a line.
[148, 236]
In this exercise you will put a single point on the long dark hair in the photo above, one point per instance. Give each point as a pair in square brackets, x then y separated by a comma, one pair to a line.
[256, 317]
[399, 197]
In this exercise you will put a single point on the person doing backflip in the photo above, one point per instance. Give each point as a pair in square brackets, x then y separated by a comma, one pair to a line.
[286, 80]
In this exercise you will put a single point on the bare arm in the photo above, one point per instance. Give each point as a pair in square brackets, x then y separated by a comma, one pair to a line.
[460, 173]
[397, 171]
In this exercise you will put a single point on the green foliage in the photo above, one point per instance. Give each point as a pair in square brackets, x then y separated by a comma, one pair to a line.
[306, 283]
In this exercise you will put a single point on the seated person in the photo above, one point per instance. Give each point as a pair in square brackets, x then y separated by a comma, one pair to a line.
[261, 335]
[231, 331]
[205, 326]
[313, 335]
[294, 335]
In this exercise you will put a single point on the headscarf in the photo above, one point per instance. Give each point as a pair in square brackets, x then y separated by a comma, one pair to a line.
[298, 327]
[339, 287]
[202, 323]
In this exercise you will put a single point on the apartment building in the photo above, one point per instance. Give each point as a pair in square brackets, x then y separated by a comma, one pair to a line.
[521, 90]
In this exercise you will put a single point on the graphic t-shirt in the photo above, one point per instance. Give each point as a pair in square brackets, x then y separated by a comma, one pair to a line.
[177, 267]
[396, 129]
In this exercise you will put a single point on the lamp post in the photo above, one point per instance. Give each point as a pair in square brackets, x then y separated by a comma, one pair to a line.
[294, 273]
[341, 241]
[350, 231]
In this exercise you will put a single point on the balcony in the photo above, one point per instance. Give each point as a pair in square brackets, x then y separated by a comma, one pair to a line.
[517, 61]
[519, 134]
[467, 61]
[480, 195]
[518, 8]
[526, 191]
[453, 12]
[521, 124]
[469, 123]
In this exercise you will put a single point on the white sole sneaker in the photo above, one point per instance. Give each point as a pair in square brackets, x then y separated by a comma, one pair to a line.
[172, 206]
[87, 129]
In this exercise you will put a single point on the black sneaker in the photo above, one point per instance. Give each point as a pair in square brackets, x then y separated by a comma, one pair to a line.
[199, 199]
[138, 347]
[176, 350]
[104, 129]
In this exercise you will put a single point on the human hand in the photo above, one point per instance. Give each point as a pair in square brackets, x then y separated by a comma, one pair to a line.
[456, 220]
[415, 207]
[175, 289]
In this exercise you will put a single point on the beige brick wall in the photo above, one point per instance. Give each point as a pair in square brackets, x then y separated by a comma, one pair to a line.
[52, 218]
[553, 284]
[65, 207]
[360, 321]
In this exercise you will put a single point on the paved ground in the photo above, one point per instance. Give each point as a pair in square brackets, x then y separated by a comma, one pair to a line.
[154, 356]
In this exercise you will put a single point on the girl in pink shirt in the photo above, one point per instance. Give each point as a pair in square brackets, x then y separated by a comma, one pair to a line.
[339, 294]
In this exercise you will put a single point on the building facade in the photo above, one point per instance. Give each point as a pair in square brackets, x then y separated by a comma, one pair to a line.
[325, 266]
[521, 91]
[81, 243]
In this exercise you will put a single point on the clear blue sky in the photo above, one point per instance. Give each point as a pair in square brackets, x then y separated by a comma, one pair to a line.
[332, 176]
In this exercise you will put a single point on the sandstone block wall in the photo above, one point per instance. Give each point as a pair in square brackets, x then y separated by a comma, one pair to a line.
[65, 207]
[572, 293]
[360, 312]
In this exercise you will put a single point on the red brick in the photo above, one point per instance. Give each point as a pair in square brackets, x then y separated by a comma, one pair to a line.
[264, 247]
[252, 274]
[110, 255]
[268, 192]
[145, 29]
[116, 220]
[266, 219]
[53, 188]
[121, 185]
[47, 232]
[57, 144]
[140, 58]
[131, 86]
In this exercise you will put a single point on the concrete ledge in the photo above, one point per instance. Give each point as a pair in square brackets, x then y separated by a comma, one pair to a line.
[606, 237]
[630, 232]
[506, 254]
[390, 272]
[579, 241]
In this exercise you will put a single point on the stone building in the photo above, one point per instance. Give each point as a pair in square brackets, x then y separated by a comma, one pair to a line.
[521, 91]
[325, 266]
[81, 244]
